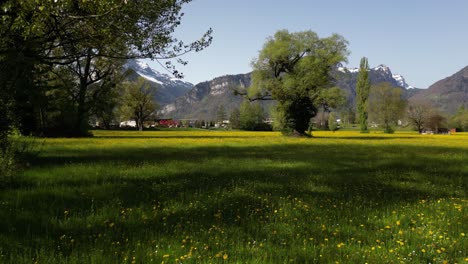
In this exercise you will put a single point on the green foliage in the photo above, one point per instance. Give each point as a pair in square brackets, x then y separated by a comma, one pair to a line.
[280, 123]
[332, 124]
[294, 68]
[77, 46]
[332, 98]
[251, 116]
[348, 116]
[460, 119]
[7, 163]
[16, 154]
[362, 93]
[386, 105]
[234, 119]
[106, 26]
[138, 101]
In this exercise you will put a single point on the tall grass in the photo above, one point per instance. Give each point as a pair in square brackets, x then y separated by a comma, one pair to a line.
[240, 197]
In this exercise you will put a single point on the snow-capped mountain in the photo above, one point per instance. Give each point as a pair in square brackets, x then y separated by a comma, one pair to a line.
[348, 70]
[168, 87]
[382, 70]
[401, 81]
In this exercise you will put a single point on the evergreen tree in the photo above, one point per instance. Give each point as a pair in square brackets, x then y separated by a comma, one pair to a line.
[362, 91]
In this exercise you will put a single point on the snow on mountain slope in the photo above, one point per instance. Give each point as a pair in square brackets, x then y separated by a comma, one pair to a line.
[168, 87]
[145, 71]
[399, 79]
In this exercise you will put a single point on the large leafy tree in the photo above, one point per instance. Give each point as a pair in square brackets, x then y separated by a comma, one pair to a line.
[362, 92]
[251, 116]
[294, 68]
[57, 32]
[138, 101]
[460, 119]
[77, 35]
[386, 105]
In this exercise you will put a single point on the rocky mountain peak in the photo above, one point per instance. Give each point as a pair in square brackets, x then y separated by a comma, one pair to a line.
[381, 73]
[401, 81]
[383, 68]
[168, 87]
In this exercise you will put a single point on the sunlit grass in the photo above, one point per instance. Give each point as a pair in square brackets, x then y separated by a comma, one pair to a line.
[240, 197]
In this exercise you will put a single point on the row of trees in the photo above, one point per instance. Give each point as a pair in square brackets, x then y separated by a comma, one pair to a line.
[384, 105]
[423, 116]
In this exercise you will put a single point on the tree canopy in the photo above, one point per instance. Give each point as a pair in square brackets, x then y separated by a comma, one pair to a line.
[138, 102]
[294, 68]
[386, 105]
[43, 41]
[59, 31]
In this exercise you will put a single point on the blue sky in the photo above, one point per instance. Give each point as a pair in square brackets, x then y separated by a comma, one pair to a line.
[424, 41]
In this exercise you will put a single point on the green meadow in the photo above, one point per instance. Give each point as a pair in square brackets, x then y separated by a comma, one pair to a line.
[239, 197]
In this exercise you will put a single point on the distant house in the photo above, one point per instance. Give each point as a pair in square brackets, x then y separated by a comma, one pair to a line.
[222, 124]
[269, 120]
[128, 123]
[167, 122]
[444, 131]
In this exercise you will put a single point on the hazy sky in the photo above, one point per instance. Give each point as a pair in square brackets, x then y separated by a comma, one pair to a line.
[424, 40]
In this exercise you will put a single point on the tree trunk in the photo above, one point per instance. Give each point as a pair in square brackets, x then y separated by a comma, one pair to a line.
[81, 111]
[80, 127]
[140, 125]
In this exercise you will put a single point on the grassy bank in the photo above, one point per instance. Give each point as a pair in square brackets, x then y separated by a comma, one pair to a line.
[240, 197]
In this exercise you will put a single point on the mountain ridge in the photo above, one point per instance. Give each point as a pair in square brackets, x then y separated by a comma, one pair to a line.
[204, 98]
[167, 88]
[180, 99]
[447, 94]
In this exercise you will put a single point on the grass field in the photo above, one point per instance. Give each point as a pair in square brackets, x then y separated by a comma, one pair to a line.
[240, 197]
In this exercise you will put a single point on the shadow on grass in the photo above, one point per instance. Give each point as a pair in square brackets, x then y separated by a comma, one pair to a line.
[234, 187]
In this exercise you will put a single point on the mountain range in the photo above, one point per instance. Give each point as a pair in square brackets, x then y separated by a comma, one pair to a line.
[168, 88]
[183, 100]
[447, 94]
